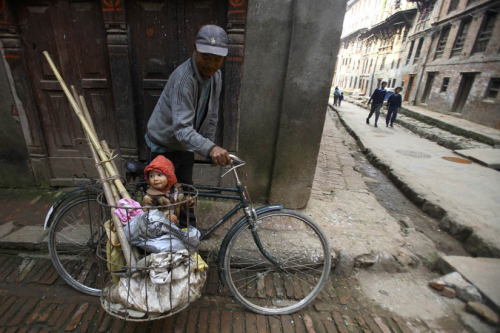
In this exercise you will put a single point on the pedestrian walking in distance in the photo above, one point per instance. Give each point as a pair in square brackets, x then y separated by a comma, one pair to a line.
[341, 98]
[377, 99]
[393, 104]
[336, 96]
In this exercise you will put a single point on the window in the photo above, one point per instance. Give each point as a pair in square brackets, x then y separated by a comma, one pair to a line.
[402, 83]
[392, 64]
[410, 52]
[419, 48]
[393, 83]
[389, 83]
[442, 42]
[399, 62]
[493, 88]
[371, 63]
[350, 83]
[446, 82]
[460, 41]
[382, 64]
[485, 33]
[358, 64]
[405, 34]
[453, 5]
[355, 82]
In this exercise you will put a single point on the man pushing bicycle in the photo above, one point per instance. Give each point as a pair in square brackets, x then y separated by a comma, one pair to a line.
[185, 118]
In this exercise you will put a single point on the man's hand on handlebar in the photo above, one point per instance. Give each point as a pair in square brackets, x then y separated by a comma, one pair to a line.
[220, 156]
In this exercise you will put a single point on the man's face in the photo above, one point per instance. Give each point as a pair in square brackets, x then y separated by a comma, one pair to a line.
[398, 90]
[208, 64]
[383, 85]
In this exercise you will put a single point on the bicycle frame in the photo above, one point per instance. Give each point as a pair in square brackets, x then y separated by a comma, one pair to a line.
[243, 203]
[250, 216]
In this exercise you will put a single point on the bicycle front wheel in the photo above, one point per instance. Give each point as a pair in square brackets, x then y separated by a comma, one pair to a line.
[301, 268]
[73, 240]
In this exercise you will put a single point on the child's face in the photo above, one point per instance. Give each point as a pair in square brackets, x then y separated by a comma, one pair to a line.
[157, 180]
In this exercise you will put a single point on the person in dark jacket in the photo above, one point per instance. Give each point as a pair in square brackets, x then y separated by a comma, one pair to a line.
[341, 98]
[336, 96]
[377, 99]
[393, 104]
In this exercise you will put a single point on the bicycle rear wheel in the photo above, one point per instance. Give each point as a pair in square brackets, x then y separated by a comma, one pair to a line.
[301, 251]
[73, 240]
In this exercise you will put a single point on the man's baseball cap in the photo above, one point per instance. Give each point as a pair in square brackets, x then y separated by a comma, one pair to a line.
[212, 39]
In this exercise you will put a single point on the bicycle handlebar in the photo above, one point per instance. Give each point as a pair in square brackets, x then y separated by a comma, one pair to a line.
[234, 159]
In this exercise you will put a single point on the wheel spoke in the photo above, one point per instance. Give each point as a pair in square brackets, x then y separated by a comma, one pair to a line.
[302, 252]
[72, 242]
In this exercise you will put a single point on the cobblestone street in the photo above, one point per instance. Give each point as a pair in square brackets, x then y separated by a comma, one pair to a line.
[33, 298]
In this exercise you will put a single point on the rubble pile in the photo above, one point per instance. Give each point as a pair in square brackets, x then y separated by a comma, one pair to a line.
[454, 285]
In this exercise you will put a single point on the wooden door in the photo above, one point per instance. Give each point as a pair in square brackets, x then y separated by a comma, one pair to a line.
[463, 92]
[410, 86]
[162, 35]
[73, 34]
[428, 87]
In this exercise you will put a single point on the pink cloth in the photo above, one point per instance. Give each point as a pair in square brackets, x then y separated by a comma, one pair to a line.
[125, 215]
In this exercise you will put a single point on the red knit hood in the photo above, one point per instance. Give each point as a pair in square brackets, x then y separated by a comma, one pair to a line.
[162, 165]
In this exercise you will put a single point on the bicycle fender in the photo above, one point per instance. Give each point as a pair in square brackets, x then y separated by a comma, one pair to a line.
[230, 233]
[58, 203]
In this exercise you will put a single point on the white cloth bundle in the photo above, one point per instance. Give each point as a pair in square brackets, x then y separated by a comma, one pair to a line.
[170, 285]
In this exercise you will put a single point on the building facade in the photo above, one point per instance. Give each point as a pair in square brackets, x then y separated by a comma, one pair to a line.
[444, 53]
[120, 54]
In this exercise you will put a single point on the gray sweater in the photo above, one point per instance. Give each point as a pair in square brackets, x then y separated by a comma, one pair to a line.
[171, 124]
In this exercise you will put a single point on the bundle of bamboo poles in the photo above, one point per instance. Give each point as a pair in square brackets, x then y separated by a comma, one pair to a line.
[108, 172]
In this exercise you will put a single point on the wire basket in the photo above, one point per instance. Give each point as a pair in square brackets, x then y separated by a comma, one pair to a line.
[168, 273]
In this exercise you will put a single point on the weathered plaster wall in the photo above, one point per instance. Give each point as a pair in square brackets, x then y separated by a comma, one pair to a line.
[14, 158]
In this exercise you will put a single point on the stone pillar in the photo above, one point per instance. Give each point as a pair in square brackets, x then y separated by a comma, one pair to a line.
[315, 41]
[290, 53]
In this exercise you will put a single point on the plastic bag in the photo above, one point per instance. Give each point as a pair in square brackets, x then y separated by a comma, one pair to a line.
[155, 233]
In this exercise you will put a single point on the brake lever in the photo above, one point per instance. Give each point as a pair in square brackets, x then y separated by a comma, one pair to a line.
[233, 168]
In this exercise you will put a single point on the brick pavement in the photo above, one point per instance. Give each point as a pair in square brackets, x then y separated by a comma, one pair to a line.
[34, 299]
[336, 168]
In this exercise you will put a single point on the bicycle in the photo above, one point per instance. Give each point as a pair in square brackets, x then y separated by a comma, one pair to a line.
[275, 261]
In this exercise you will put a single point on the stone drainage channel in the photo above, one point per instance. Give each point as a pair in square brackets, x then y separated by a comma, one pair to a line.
[401, 208]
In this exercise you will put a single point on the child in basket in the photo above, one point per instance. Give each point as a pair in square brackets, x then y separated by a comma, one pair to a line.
[163, 188]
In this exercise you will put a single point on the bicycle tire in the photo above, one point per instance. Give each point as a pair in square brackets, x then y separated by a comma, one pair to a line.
[80, 270]
[264, 288]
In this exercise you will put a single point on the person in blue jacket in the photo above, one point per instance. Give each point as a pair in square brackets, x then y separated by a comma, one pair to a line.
[377, 99]
[393, 104]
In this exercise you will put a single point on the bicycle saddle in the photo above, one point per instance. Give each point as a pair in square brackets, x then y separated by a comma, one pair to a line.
[136, 168]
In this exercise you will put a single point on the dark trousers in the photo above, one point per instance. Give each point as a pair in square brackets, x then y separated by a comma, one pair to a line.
[335, 100]
[183, 162]
[391, 112]
[375, 108]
